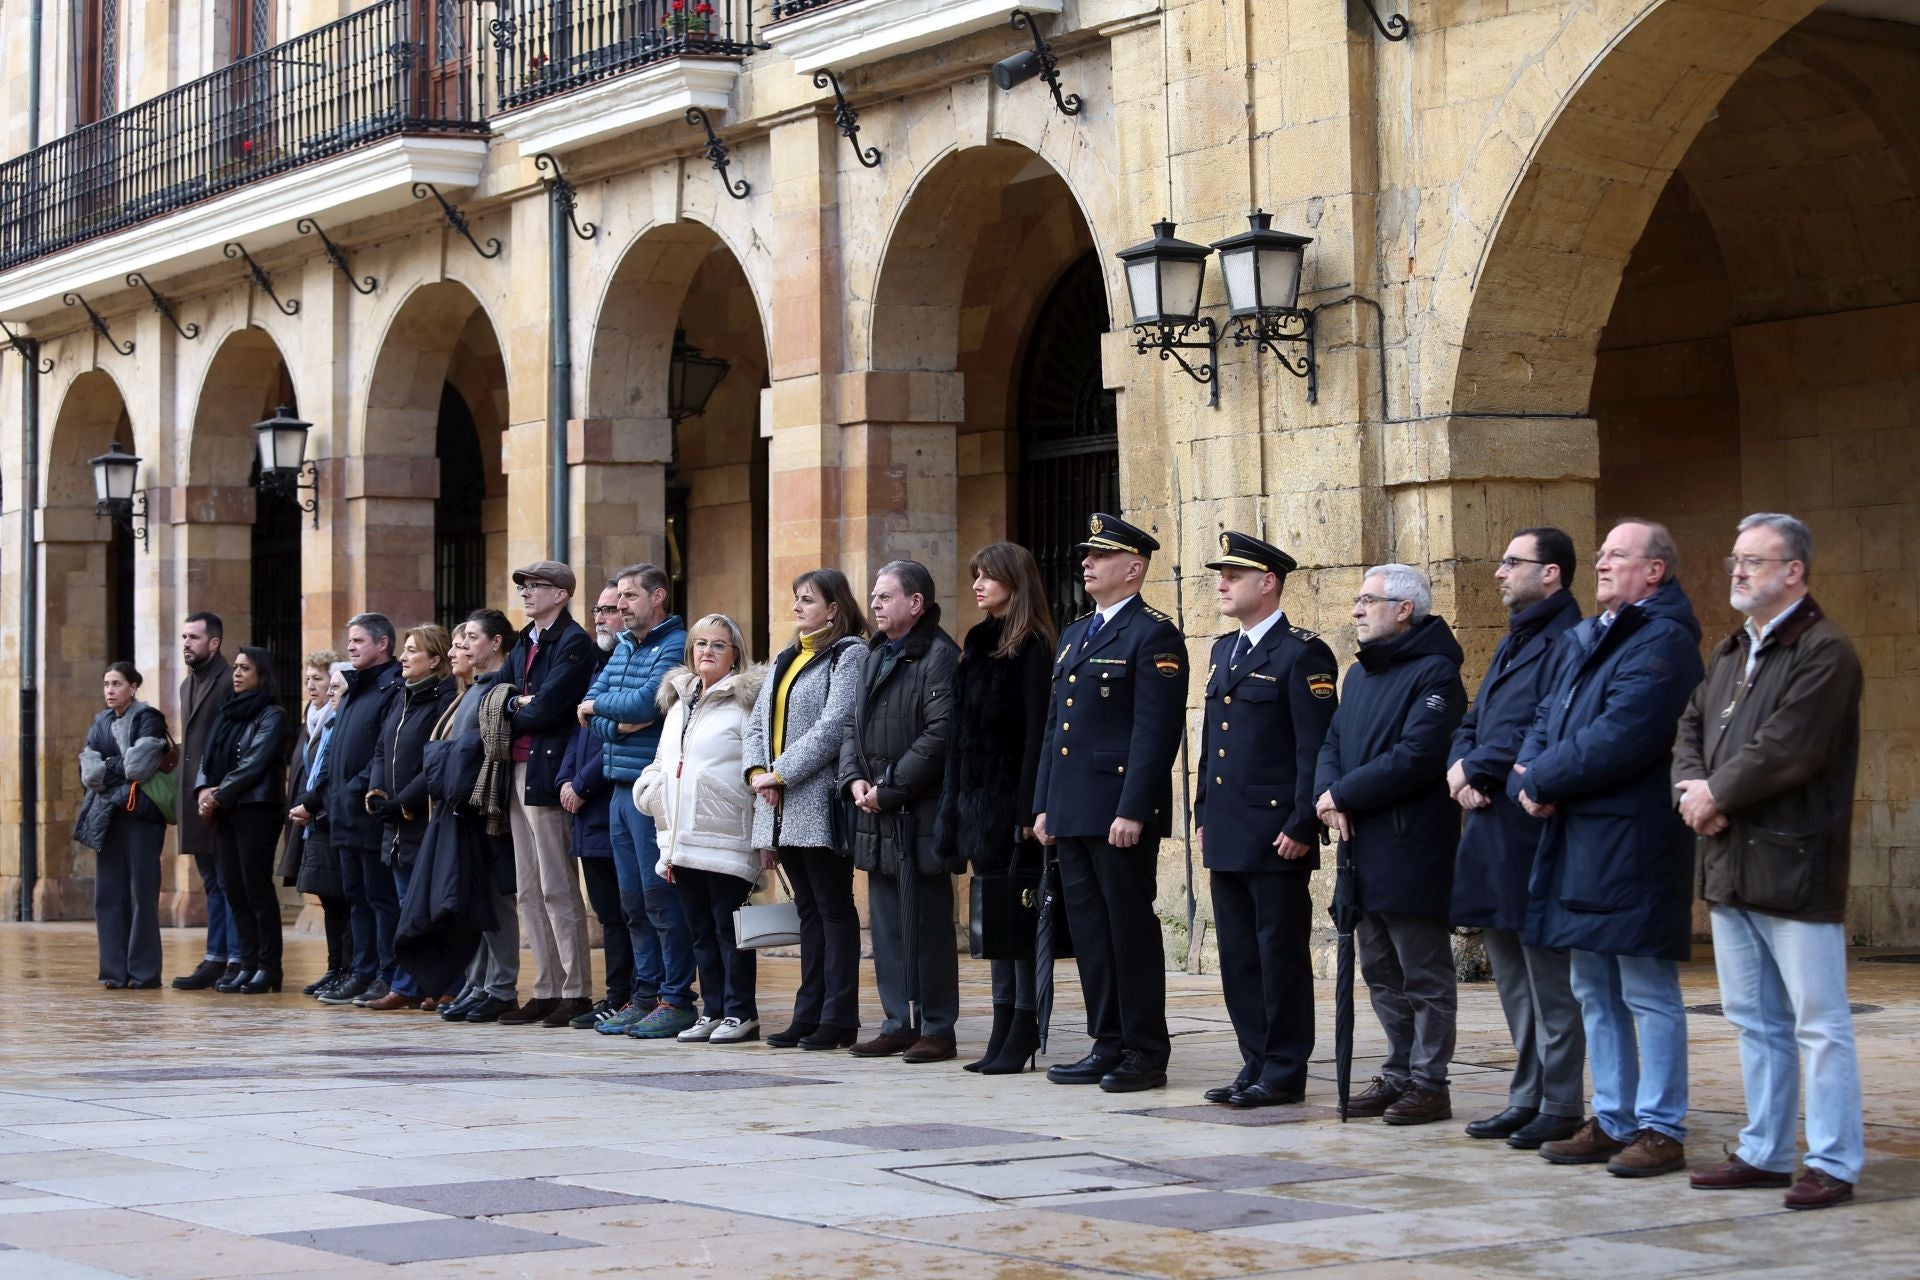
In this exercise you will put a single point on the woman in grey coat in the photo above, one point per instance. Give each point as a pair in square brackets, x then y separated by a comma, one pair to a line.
[792, 755]
[126, 746]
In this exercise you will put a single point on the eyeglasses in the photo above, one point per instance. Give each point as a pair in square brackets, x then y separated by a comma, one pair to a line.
[1615, 555]
[1514, 562]
[1747, 564]
[712, 646]
[534, 584]
[606, 608]
[1368, 601]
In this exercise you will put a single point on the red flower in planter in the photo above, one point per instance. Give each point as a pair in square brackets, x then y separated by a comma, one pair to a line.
[246, 146]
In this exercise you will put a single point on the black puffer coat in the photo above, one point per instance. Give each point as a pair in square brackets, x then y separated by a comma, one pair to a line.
[993, 749]
[398, 765]
[1385, 759]
[356, 732]
[899, 744]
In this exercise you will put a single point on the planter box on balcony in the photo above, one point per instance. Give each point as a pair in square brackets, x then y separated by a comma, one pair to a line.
[650, 95]
[860, 31]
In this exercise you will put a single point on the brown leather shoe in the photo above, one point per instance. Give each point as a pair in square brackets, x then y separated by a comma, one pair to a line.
[1588, 1145]
[930, 1049]
[1816, 1190]
[883, 1046]
[1649, 1154]
[1734, 1173]
[1380, 1095]
[1419, 1105]
[532, 1011]
[393, 1000]
[566, 1011]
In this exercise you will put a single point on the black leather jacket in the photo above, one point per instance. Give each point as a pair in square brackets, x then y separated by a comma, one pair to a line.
[258, 775]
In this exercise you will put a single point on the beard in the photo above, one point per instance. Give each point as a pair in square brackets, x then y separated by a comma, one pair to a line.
[605, 639]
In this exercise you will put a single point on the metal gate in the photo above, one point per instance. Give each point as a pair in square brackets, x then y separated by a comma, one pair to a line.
[274, 597]
[459, 528]
[1069, 433]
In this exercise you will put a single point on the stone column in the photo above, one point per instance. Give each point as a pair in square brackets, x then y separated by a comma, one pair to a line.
[619, 496]
[897, 473]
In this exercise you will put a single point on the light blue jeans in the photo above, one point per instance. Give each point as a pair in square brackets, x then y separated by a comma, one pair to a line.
[1783, 984]
[1636, 1042]
[663, 966]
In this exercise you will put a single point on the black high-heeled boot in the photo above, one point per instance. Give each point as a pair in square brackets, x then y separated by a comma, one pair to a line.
[1002, 1019]
[792, 1034]
[1018, 1051]
[235, 977]
[261, 981]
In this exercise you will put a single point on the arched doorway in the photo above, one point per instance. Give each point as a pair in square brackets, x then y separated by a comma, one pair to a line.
[459, 514]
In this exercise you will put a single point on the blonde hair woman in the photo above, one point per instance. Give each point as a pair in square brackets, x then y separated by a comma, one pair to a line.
[697, 794]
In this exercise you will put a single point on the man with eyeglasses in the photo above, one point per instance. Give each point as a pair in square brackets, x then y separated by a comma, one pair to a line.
[1764, 768]
[1611, 877]
[1382, 787]
[1546, 1099]
[550, 667]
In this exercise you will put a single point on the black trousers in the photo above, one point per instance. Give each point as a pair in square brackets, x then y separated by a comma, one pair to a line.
[603, 898]
[1263, 921]
[246, 840]
[126, 899]
[1116, 938]
[829, 993]
[338, 918]
[728, 973]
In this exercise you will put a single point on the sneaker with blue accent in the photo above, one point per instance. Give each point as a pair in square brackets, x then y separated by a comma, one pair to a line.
[664, 1023]
[625, 1020]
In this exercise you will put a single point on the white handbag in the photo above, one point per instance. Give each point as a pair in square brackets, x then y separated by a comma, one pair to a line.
[772, 924]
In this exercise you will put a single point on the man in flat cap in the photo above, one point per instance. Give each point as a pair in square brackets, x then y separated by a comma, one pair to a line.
[550, 668]
[1104, 797]
[1269, 699]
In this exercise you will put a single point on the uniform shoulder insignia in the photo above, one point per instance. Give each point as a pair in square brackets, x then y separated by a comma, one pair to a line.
[1154, 613]
[1083, 617]
[1304, 634]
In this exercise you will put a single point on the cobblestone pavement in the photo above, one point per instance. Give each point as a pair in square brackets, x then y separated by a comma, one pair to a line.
[171, 1134]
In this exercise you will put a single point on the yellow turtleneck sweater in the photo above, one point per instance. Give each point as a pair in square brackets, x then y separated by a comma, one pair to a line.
[808, 651]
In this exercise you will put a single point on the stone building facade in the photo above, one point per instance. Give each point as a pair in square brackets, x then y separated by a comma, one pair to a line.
[1571, 259]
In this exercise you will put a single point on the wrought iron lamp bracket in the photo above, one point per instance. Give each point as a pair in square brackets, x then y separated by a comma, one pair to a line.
[98, 325]
[564, 195]
[1171, 339]
[261, 280]
[337, 256]
[130, 513]
[846, 119]
[1276, 330]
[716, 152]
[27, 349]
[457, 220]
[164, 307]
[1396, 27]
[291, 484]
[1069, 104]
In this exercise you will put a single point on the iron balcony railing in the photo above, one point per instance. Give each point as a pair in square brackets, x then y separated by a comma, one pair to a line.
[547, 47]
[794, 8]
[396, 66]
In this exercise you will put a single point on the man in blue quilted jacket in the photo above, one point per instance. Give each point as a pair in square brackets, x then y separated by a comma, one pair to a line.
[620, 710]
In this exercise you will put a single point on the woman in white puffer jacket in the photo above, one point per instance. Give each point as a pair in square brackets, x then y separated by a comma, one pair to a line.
[697, 794]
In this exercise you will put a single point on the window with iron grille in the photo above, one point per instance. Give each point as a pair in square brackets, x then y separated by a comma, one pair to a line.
[1069, 433]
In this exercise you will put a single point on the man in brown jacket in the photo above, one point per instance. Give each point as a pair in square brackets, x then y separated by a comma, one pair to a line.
[207, 686]
[1764, 768]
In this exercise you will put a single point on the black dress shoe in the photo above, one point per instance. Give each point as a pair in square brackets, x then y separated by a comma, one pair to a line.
[1133, 1074]
[828, 1036]
[205, 975]
[459, 1009]
[490, 1009]
[1262, 1094]
[1224, 1094]
[313, 988]
[1091, 1069]
[261, 981]
[1504, 1125]
[233, 979]
[792, 1034]
[1544, 1128]
[347, 990]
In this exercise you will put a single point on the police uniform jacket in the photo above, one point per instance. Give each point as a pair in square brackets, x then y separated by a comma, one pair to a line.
[1113, 725]
[1265, 722]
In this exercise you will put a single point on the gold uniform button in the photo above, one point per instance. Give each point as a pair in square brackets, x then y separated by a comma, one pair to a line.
[1123, 769]
[1218, 781]
[1064, 726]
[1069, 701]
[1223, 753]
[1273, 804]
[1224, 726]
[1072, 679]
[1063, 751]
[1228, 700]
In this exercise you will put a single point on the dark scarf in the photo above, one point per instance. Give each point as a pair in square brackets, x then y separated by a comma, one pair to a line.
[223, 743]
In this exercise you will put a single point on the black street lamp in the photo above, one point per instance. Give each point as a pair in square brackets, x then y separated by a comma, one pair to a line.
[1262, 268]
[115, 474]
[1164, 279]
[284, 469]
[691, 378]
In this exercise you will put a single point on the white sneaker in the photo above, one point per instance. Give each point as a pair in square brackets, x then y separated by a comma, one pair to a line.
[735, 1030]
[699, 1031]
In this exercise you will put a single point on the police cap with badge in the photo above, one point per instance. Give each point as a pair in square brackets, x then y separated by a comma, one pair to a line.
[1244, 551]
[1111, 533]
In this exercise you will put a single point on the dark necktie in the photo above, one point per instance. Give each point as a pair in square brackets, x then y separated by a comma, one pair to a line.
[1093, 628]
[1240, 650]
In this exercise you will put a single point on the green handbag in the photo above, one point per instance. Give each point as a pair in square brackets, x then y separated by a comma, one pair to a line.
[163, 788]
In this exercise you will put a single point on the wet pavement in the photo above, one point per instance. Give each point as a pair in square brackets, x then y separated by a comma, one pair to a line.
[175, 1134]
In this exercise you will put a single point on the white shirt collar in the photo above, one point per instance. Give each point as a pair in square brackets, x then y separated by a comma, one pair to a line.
[1106, 614]
[1759, 635]
[1258, 632]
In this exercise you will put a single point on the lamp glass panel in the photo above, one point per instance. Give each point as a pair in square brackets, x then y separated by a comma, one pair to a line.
[1279, 277]
[701, 377]
[1243, 291]
[113, 477]
[1143, 287]
[1180, 289]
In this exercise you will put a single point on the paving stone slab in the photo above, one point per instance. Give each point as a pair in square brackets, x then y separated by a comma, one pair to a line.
[922, 1137]
[1224, 1173]
[712, 1081]
[490, 1199]
[432, 1241]
[1206, 1210]
[396, 1051]
[1208, 1113]
[437, 1077]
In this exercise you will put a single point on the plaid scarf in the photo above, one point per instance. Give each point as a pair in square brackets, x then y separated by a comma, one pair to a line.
[496, 770]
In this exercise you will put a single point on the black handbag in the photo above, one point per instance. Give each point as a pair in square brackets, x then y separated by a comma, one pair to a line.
[1003, 910]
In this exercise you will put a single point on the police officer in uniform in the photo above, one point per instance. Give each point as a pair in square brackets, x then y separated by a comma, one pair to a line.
[1269, 699]
[1104, 797]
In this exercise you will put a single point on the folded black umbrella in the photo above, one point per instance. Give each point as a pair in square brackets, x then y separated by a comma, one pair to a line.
[1051, 941]
[1345, 910]
[903, 835]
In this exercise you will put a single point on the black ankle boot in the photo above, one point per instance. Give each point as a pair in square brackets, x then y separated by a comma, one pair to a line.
[1002, 1019]
[792, 1034]
[209, 972]
[1017, 1053]
[261, 981]
[233, 979]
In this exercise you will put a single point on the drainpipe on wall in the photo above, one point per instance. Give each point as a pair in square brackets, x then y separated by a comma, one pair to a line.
[29, 557]
[560, 377]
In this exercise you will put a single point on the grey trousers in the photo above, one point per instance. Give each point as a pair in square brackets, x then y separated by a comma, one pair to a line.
[126, 900]
[935, 959]
[495, 971]
[1408, 964]
[1544, 1019]
[552, 915]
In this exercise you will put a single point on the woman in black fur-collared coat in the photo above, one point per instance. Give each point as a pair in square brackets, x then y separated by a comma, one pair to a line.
[1000, 692]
